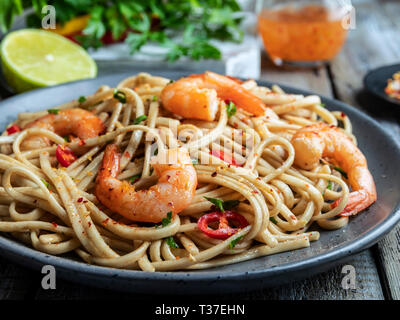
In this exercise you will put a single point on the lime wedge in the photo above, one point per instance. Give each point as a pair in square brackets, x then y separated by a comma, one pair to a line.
[35, 58]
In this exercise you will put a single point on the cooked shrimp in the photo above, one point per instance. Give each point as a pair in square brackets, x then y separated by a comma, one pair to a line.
[197, 96]
[320, 140]
[174, 191]
[78, 122]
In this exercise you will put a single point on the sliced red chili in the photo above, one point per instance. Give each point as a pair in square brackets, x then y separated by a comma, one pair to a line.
[225, 157]
[65, 155]
[224, 230]
[13, 129]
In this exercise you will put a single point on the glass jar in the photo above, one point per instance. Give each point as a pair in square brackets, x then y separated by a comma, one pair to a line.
[303, 32]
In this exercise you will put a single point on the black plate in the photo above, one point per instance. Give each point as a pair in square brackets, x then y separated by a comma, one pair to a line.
[381, 150]
[376, 81]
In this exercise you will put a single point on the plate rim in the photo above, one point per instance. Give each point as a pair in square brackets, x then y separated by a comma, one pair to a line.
[14, 249]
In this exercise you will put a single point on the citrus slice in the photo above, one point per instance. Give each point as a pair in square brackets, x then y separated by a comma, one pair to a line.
[35, 58]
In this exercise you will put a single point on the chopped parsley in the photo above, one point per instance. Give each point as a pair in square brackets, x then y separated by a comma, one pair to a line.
[140, 119]
[223, 205]
[171, 242]
[120, 96]
[344, 174]
[330, 185]
[45, 183]
[273, 220]
[82, 99]
[155, 98]
[53, 111]
[229, 204]
[231, 109]
[166, 221]
[234, 242]
[134, 178]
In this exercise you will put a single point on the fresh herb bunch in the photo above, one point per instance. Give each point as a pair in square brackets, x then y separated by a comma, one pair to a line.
[140, 21]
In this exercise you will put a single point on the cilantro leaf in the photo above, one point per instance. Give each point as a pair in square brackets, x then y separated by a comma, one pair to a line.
[229, 204]
[231, 109]
[166, 221]
[344, 174]
[273, 220]
[234, 242]
[217, 202]
[140, 119]
[45, 183]
[53, 111]
[134, 178]
[120, 96]
[171, 242]
[223, 205]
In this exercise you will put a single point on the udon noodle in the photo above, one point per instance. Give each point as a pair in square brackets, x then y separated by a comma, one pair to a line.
[54, 209]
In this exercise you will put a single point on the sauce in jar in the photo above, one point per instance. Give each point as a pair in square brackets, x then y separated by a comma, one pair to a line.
[311, 33]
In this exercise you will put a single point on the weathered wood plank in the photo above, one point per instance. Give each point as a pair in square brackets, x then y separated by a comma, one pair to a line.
[325, 286]
[374, 42]
[328, 285]
[16, 283]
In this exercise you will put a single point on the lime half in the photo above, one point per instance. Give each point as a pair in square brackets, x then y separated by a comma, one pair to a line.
[35, 58]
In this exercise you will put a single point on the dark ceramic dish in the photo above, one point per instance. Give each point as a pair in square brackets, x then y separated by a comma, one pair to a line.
[376, 81]
[381, 150]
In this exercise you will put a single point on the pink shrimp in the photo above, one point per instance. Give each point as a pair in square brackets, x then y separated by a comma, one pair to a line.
[315, 141]
[197, 96]
[78, 122]
[173, 193]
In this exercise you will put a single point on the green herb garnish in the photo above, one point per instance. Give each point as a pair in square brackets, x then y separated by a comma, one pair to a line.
[67, 139]
[231, 109]
[135, 178]
[330, 185]
[120, 96]
[166, 221]
[273, 220]
[233, 243]
[171, 242]
[140, 119]
[45, 183]
[196, 22]
[82, 99]
[344, 174]
[229, 204]
[53, 111]
[155, 98]
[195, 161]
[223, 205]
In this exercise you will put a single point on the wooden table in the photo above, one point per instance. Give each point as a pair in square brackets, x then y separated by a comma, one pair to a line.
[374, 42]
